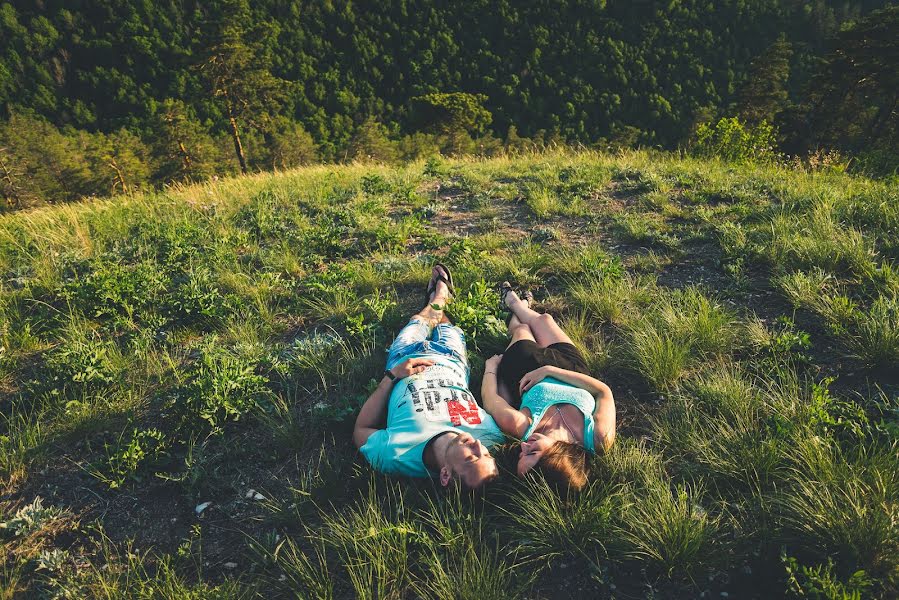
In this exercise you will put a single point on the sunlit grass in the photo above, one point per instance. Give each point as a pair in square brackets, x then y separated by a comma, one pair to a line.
[278, 294]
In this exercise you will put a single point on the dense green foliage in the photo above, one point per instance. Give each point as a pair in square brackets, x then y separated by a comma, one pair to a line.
[212, 344]
[215, 87]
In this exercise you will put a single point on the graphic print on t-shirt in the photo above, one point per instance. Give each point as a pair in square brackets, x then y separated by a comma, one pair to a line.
[441, 399]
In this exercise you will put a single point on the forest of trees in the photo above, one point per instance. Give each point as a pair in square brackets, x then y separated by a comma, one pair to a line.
[105, 97]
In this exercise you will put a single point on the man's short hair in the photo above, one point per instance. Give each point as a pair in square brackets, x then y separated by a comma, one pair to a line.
[464, 485]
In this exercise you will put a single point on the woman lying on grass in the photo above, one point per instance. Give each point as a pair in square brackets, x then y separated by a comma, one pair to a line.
[541, 392]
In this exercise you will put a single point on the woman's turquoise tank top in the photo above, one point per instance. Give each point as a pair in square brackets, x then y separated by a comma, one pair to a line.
[551, 391]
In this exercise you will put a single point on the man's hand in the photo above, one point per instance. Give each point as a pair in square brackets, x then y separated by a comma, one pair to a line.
[534, 377]
[491, 365]
[411, 366]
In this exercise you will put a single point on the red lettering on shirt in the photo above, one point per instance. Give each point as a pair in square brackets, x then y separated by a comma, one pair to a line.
[459, 410]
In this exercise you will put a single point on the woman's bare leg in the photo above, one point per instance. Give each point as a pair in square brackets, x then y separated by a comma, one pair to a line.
[542, 326]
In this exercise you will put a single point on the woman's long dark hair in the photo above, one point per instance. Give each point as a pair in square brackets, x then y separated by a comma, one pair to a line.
[564, 466]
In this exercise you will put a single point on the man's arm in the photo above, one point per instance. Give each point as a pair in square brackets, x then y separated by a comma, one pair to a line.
[510, 421]
[374, 411]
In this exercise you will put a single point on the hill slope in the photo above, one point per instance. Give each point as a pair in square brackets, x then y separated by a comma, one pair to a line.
[211, 344]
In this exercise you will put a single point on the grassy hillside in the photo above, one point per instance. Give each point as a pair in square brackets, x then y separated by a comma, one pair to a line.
[211, 344]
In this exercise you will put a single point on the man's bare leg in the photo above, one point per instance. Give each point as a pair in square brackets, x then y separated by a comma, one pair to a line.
[438, 297]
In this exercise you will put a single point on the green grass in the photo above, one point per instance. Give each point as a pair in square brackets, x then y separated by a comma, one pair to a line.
[160, 351]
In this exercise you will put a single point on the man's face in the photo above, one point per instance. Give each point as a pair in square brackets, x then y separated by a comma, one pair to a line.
[468, 458]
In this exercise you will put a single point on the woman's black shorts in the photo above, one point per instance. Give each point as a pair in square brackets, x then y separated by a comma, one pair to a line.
[524, 356]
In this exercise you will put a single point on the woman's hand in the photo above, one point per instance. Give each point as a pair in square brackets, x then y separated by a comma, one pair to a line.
[534, 377]
[491, 365]
[411, 366]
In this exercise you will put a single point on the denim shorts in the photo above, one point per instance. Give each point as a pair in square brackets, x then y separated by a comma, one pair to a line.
[418, 337]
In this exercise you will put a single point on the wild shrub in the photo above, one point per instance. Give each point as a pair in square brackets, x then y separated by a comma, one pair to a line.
[221, 386]
[83, 361]
[196, 298]
[106, 288]
[375, 542]
[821, 582]
[844, 505]
[545, 526]
[125, 458]
[730, 139]
[671, 533]
[474, 311]
[31, 517]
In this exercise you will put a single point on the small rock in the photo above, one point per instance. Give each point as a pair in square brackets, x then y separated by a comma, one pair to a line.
[201, 507]
[249, 494]
[724, 594]
[230, 565]
[282, 577]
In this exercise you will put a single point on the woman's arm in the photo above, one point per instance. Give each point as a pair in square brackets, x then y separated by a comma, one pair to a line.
[604, 420]
[511, 422]
[603, 415]
[585, 382]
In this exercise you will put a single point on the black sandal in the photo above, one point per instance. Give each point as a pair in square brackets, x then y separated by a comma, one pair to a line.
[504, 289]
[448, 280]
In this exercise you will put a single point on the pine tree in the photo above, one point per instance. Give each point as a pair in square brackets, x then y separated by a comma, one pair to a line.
[764, 94]
[182, 149]
[237, 70]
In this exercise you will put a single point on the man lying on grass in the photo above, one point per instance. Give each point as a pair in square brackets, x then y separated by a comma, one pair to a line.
[434, 425]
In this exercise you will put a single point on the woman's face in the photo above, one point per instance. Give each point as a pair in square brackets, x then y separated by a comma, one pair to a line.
[532, 450]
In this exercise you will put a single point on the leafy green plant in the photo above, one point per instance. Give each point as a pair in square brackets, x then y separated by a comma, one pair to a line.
[474, 311]
[84, 360]
[733, 140]
[30, 518]
[821, 583]
[222, 386]
[124, 459]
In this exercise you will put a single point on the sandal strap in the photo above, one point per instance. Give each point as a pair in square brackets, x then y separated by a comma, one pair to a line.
[448, 281]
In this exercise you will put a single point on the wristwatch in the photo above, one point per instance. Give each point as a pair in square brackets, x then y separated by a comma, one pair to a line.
[389, 374]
